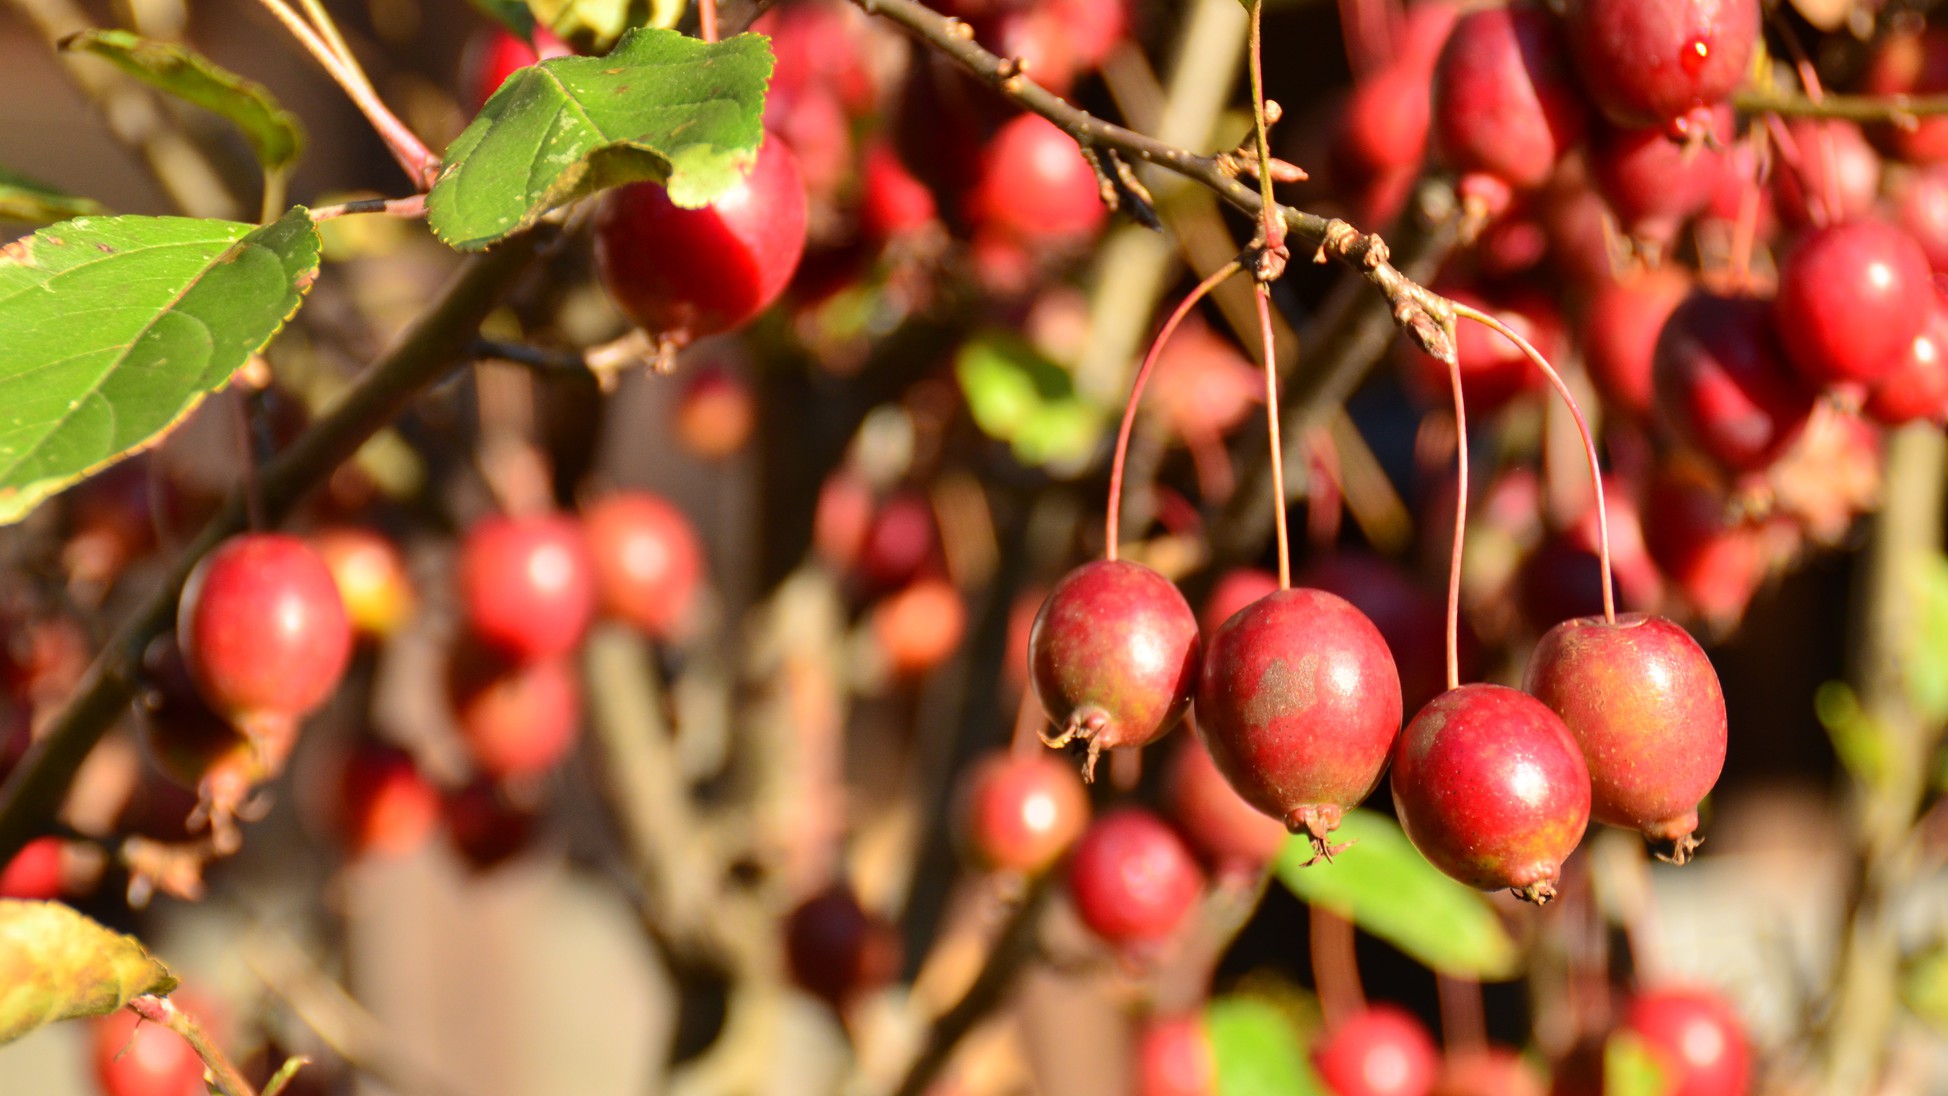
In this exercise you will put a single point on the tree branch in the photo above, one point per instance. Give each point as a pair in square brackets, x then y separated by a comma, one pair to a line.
[1852, 108]
[441, 336]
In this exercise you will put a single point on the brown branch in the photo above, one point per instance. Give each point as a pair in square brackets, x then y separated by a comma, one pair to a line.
[440, 337]
[1013, 946]
[1424, 315]
[1894, 109]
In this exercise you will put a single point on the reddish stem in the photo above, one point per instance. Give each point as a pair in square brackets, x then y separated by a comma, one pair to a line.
[1460, 521]
[1335, 965]
[1113, 520]
[1582, 428]
[1463, 1029]
[1263, 297]
[707, 19]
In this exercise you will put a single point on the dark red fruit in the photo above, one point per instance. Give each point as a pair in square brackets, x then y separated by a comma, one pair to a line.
[263, 629]
[1035, 185]
[1022, 812]
[919, 628]
[527, 585]
[517, 719]
[1911, 63]
[1299, 704]
[1132, 879]
[1721, 384]
[486, 827]
[1383, 127]
[1657, 62]
[837, 951]
[1695, 1037]
[1918, 387]
[1655, 184]
[1174, 1058]
[1645, 705]
[899, 542]
[647, 562]
[1381, 1050]
[1113, 656]
[387, 808]
[1831, 164]
[35, 871]
[1492, 790]
[1505, 103]
[1234, 590]
[1921, 207]
[1620, 326]
[1851, 299]
[371, 577]
[686, 273]
[1232, 835]
[1714, 562]
[133, 1057]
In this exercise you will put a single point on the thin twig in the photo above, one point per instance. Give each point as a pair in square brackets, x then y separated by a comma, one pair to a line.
[413, 207]
[223, 1075]
[1014, 945]
[1893, 109]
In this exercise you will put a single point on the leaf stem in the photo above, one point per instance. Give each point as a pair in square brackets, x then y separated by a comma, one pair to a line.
[1112, 522]
[161, 1010]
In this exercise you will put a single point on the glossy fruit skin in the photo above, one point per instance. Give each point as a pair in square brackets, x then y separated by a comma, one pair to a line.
[1696, 1037]
[1411, 618]
[1132, 878]
[1721, 383]
[1174, 1058]
[647, 561]
[1646, 707]
[1921, 208]
[518, 719]
[919, 628]
[387, 808]
[1299, 704]
[836, 950]
[263, 629]
[1381, 1050]
[371, 577]
[1619, 329]
[1804, 196]
[1505, 104]
[1035, 185]
[1654, 183]
[1851, 299]
[1918, 387]
[35, 871]
[1231, 834]
[135, 1058]
[527, 585]
[1113, 656]
[1651, 63]
[1492, 789]
[685, 273]
[1021, 812]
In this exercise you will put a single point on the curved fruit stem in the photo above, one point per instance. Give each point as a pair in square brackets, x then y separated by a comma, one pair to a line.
[1460, 520]
[1335, 964]
[707, 19]
[1263, 298]
[1273, 226]
[1113, 520]
[1582, 428]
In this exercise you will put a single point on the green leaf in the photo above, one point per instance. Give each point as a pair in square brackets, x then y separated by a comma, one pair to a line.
[1258, 1051]
[34, 202]
[273, 133]
[1384, 886]
[56, 964]
[116, 327]
[662, 106]
[1630, 1068]
[1018, 396]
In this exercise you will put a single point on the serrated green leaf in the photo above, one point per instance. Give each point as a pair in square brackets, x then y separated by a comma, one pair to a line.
[56, 964]
[1258, 1051]
[1382, 884]
[662, 106]
[33, 202]
[273, 133]
[1018, 396]
[512, 14]
[1630, 1068]
[118, 326]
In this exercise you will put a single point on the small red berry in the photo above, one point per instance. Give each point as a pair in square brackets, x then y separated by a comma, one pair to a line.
[485, 826]
[1132, 879]
[1174, 1057]
[518, 719]
[648, 563]
[34, 872]
[1381, 1050]
[371, 577]
[1660, 62]
[1696, 1037]
[1022, 812]
[837, 951]
[1722, 385]
[387, 807]
[1851, 299]
[526, 584]
[1506, 106]
[133, 1057]
[263, 629]
[919, 628]
[1035, 185]
[715, 413]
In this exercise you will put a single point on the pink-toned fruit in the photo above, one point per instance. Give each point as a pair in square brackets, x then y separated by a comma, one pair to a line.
[1834, 174]
[35, 871]
[387, 807]
[1655, 184]
[1851, 299]
[1299, 704]
[1022, 812]
[1132, 879]
[1232, 835]
[1174, 1058]
[1492, 789]
[900, 541]
[1713, 562]
[1113, 656]
[133, 1057]
[1696, 1038]
[1645, 705]
[837, 951]
[892, 202]
[1035, 185]
[1917, 388]
[715, 413]
[1381, 1050]
[1620, 325]
[1921, 207]
[1721, 384]
[517, 719]
[526, 584]
[1661, 62]
[263, 629]
[371, 577]
[647, 561]
[686, 273]
[1505, 103]
[919, 628]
